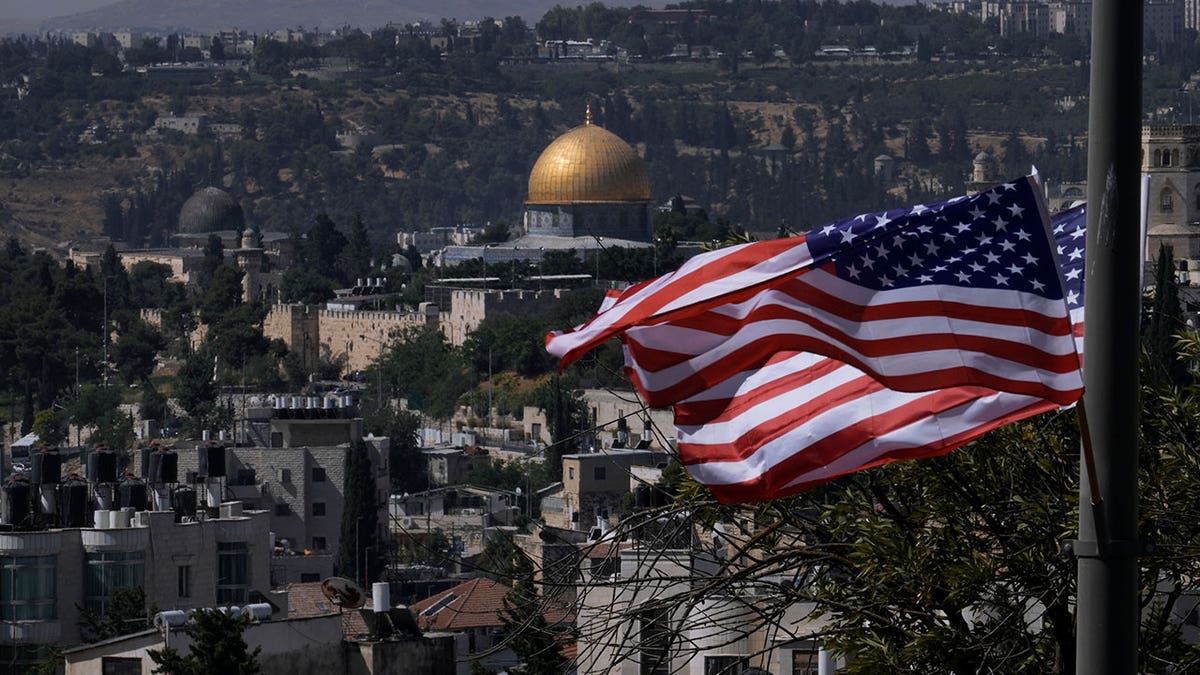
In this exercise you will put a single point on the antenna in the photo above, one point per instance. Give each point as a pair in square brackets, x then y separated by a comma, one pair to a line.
[343, 592]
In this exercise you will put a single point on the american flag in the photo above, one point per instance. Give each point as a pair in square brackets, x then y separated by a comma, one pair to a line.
[953, 303]
[802, 420]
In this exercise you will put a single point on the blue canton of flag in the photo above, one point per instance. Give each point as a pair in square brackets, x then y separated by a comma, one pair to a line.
[993, 239]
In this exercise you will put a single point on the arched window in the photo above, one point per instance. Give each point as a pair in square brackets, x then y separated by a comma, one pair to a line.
[1166, 202]
[1164, 158]
[1175, 157]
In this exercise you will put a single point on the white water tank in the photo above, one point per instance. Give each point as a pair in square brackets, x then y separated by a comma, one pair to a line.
[171, 618]
[257, 611]
[100, 519]
[381, 596]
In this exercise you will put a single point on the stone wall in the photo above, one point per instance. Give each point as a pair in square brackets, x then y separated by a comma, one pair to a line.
[342, 332]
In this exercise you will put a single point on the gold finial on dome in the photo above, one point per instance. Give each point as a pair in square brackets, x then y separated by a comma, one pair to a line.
[587, 114]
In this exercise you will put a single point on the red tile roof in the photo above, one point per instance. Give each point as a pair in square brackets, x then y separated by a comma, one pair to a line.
[474, 604]
[306, 600]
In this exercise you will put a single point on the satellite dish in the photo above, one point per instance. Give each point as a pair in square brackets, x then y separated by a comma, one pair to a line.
[343, 592]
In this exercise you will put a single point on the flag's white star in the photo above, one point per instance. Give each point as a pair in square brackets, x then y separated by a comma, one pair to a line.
[1016, 210]
[847, 235]
[1030, 258]
[1014, 269]
[900, 270]
[1072, 274]
[992, 258]
[1009, 186]
[885, 281]
[853, 271]
[924, 278]
[1037, 285]
[881, 250]
[931, 248]
[976, 212]
[976, 267]
[939, 268]
[1072, 298]
[919, 209]
[915, 260]
[882, 220]
[993, 197]
[1078, 233]
[1022, 235]
[868, 262]
[1000, 279]
[925, 228]
[1008, 245]
[1077, 254]
[963, 276]
[962, 227]
[828, 230]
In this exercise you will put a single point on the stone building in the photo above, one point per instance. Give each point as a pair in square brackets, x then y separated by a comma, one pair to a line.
[293, 467]
[1171, 161]
[594, 486]
[46, 576]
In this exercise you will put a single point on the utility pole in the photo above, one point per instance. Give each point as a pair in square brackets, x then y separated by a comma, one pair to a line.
[1107, 592]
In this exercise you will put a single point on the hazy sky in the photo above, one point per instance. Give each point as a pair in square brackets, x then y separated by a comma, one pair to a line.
[44, 9]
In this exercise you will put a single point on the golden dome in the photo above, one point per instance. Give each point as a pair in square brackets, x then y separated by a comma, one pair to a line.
[588, 164]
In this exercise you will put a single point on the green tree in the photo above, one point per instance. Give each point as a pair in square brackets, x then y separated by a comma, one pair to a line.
[217, 647]
[221, 293]
[566, 417]
[406, 464]
[49, 426]
[524, 623]
[1164, 322]
[136, 350]
[359, 551]
[125, 613]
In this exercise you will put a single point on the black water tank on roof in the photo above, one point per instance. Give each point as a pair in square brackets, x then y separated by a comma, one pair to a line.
[164, 467]
[102, 465]
[47, 466]
[183, 502]
[212, 460]
[16, 494]
[72, 502]
[144, 461]
[132, 492]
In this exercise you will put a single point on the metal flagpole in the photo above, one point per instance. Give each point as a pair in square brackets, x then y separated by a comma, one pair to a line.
[1107, 618]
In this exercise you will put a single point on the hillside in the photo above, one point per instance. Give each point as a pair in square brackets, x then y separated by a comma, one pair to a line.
[269, 15]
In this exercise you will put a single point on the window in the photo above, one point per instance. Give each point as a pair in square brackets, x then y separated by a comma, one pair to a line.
[318, 543]
[571, 472]
[232, 572]
[805, 662]
[183, 581]
[318, 475]
[655, 642]
[106, 571]
[27, 588]
[318, 508]
[599, 473]
[309, 577]
[1166, 202]
[112, 665]
[725, 665]
[282, 510]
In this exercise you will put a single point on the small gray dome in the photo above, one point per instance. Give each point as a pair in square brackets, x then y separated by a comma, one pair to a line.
[210, 210]
[983, 156]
